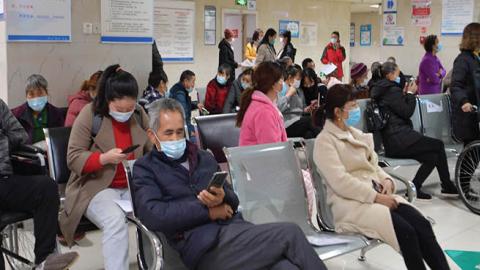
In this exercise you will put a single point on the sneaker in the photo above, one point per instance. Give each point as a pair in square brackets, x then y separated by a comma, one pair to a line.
[449, 190]
[59, 261]
[423, 196]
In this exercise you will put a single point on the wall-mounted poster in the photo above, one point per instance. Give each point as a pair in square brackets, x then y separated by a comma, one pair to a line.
[352, 34]
[389, 6]
[389, 19]
[393, 36]
[174, 30]
[292, 26]
[39, 20]
[366, 35]
[127, 21]
[456, 14]
[421, 12]
[1, 10]
[210, 17]
[309, 34]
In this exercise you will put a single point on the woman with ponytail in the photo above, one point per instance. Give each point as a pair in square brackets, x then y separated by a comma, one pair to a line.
[99, 136]
[259, 119]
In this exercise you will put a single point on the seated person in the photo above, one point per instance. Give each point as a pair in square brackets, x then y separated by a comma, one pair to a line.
[401, 140]
[359, 76]
[259, 118]
[313, 89]
[95, 159]
[156, 89]
[86, 95]
[403, 80]
[203, 225]
[296, 113]
[37, 113]
[217, 90]
[181, 93]
[361, 195]
[308, 63]
[244, 81]
[36, 194]
[376, 70]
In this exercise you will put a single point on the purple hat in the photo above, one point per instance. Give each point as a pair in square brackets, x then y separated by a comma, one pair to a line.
[358, 70]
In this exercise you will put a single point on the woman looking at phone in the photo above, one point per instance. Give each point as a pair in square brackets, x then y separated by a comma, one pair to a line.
[100, 140]
[399, 138]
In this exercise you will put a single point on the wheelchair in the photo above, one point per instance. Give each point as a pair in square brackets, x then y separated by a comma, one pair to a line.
[17, 240]
[467, 176]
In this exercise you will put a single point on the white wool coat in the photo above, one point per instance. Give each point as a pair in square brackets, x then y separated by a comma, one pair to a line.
[348, 163]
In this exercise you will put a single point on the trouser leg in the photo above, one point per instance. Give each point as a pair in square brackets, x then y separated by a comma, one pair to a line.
[303, 128]
[431, 250]
[36, 194]
[261, 247]
[284, 265]
[109, 217]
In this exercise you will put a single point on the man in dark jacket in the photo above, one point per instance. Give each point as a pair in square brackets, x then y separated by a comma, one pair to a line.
[399, 137]
[203, 225]
[36, 194]
[225, 53]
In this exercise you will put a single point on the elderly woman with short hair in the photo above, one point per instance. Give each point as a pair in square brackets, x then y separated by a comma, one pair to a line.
[37, 113]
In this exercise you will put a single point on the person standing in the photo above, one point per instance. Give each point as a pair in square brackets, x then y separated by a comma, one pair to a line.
[266, 50]
[288, 49]
[431, 72]
[251, 47]
[225, 53]
[334, 53]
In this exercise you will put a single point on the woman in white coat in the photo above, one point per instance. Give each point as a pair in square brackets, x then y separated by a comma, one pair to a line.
[361, 195]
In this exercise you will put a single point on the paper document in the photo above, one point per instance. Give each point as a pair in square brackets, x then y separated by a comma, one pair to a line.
[126, 205]
[432, 107]
[326, 240]
[247, 63]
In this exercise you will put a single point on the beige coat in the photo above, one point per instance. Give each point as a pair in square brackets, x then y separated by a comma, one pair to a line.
[349, 164]
[81, 188]
[265, 53]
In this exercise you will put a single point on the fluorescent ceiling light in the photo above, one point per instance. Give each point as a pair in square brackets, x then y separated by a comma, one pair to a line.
[375, 6]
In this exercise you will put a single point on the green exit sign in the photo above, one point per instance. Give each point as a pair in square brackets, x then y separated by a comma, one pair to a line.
[241, 2]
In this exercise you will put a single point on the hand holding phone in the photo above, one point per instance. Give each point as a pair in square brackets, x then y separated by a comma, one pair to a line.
[130, 149]
[214, 194]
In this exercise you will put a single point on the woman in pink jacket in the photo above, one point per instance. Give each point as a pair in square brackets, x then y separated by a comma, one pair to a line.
[259, 119]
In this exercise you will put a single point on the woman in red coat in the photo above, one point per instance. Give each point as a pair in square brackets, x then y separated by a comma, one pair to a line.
[334, 53]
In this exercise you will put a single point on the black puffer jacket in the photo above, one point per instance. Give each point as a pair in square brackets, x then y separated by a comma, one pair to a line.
[399, 132]
[12, 135]
[462, 88]
[289, 51]
[226, 56]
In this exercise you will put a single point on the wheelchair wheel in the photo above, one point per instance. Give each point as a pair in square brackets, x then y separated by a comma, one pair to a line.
[19, 239]
[467, 176]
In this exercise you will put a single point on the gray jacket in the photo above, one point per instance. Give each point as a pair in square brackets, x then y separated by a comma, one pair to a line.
[12, 134]
[292, 107]
[265, 53]
[233, 98]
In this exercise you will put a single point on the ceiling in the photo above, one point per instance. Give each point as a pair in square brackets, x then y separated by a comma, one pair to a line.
[360, 6]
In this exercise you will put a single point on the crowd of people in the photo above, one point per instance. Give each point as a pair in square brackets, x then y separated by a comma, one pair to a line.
[275, 100]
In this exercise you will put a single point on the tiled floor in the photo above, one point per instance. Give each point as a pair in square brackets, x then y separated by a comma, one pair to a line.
[456, 228]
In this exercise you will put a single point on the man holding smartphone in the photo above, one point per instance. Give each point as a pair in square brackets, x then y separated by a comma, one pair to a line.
[173, 196]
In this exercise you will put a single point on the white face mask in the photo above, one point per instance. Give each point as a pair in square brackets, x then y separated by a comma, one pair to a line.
[296, 84]
[120, 116]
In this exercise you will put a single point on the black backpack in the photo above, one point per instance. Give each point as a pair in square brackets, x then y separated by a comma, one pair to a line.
[377, 118]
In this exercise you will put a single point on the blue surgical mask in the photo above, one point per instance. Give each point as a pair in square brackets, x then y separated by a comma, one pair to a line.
[189, 90]
[121, 117]
[272, 42]
[173, 149]
[37, 104]
[284, 90]
[221, 80]
[397, 80]
[354, 117]
[439, 47]
[245, 85]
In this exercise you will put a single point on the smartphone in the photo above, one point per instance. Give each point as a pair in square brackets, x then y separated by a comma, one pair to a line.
[130, 149]
[205, 111]
[218, 180]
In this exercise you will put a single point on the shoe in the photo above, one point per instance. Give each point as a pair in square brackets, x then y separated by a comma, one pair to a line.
[59, 261]
[423, 196]
[449, 190]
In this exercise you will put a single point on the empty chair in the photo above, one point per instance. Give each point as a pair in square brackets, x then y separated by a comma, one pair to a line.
[269, 184]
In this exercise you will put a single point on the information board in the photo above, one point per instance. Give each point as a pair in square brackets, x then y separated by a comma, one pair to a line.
[456, 14]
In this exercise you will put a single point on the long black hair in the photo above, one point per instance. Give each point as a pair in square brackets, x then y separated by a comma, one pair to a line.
[270, 33]
[115, 83]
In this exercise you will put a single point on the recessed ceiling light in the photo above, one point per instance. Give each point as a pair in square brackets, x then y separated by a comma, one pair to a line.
[375, 6]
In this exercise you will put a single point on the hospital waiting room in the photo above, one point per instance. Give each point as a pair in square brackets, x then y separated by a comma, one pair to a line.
[240, 134]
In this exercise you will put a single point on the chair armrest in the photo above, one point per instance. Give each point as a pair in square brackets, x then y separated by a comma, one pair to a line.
[411, 189]
[29, 152]
[157, 246]
[31, 149]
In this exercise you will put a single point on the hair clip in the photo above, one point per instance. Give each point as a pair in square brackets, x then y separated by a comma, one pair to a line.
[118, 69]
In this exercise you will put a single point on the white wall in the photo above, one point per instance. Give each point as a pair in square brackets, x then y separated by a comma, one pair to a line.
[408, 56]
[65, 66]
[3, 63]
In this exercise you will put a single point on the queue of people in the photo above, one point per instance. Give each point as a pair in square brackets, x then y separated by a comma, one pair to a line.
[273, 102]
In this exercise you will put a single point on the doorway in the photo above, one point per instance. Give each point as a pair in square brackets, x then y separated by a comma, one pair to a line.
[243, 24]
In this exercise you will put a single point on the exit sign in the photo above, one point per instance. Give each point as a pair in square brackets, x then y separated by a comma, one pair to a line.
[241, 2]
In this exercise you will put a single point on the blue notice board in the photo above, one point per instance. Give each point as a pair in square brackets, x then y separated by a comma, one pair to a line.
[366, 35]
[292, 26]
